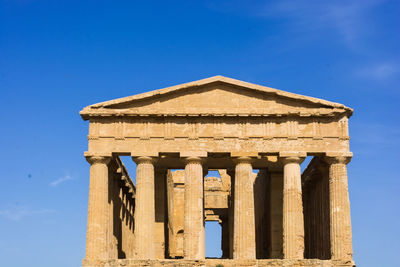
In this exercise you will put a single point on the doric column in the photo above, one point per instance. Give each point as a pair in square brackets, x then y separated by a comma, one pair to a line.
[97, 243]
[293, 224]
[231, 173]
[193, 240]
[144, 209]
[340, 222]
[244, 240]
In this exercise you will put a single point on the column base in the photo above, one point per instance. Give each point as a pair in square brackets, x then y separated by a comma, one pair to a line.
[215, 262]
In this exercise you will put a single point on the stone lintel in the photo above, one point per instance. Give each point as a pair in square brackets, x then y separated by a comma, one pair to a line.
[193, 154]
[239, 154]
[97, 154]
[334, 154]
[144, 154]
[286, 154]
[338, 157]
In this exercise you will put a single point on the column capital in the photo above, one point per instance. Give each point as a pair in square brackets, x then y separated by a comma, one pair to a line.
[243, 160]
[334, 158]
[192, 159]
[237, 154]
[144, 159]
[95, 159]
[292, 159]
[195, 154]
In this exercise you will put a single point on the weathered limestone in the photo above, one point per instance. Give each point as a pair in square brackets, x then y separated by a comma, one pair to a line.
[244, 240]
[193, 242]
[341, 245]
[144, 209]
[293, 224]
[231, 211]
[97, 239]
[277, 217]
[176, 200]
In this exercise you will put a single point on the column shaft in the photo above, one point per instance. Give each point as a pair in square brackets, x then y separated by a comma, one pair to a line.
[293, 224]
[144, 209]
[231, 173]
[193, 241]
[97, 243]
[244, 240]
[340, 222]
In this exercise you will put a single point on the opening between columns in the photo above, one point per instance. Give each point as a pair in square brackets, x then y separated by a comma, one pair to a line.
[316, 210]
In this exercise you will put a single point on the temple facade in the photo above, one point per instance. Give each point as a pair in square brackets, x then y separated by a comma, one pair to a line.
[256, 137]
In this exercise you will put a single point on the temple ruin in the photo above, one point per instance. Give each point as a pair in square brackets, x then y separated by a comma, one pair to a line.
[255, 137]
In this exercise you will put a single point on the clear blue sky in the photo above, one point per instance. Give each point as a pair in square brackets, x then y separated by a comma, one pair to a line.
[58, 56]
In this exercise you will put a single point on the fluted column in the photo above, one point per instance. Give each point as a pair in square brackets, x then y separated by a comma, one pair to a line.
[97, 243]
[144, 209]
[340, 222]
[293, 224]
[231, 211]
[244, 240]
[193, 240]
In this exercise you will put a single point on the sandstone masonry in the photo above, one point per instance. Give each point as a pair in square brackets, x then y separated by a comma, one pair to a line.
[256, 137]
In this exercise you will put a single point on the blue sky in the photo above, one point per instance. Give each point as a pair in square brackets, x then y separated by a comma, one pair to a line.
[58, 56]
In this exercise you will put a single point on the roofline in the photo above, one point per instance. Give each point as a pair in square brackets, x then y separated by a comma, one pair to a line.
[215, 79]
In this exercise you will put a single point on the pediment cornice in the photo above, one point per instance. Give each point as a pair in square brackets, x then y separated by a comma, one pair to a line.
[121, 107]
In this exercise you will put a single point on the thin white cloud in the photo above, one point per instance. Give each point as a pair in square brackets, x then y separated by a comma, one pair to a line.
[379, 71]
[61, 180]
[17, 213]
[349, 19]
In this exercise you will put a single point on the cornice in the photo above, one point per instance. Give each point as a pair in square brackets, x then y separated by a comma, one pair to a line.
[103, 113]
[113, 107]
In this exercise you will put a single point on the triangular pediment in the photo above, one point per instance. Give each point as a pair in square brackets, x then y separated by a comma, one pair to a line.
[216, 96]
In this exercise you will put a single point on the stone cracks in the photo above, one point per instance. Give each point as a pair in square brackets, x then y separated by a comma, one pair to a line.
[215, 262]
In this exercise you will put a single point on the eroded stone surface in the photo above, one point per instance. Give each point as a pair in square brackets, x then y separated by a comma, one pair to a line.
[215, 262]
[276, 217]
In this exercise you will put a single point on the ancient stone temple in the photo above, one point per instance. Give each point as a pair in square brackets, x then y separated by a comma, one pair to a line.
[256, 137]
